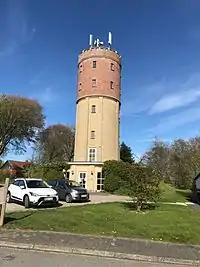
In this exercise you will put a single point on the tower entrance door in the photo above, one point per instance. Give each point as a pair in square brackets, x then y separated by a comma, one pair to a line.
[82, 178]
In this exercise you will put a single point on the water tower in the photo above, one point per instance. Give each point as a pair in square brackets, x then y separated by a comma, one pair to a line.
[97, 112]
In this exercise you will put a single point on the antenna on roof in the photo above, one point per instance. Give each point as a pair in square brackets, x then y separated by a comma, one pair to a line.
[91, 40]
[110, 38]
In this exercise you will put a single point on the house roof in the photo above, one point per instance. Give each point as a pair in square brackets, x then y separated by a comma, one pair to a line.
[16, 164]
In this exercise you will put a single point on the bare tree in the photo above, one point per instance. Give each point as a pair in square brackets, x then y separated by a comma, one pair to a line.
[178, 163]
[20, 120]
[158, 158]
[56, 143]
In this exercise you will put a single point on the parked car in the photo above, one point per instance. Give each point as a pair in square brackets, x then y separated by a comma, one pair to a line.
[31, 192]
[196, 190]
[69, 191]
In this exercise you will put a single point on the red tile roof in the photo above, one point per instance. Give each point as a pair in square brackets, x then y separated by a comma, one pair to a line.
[18, 164]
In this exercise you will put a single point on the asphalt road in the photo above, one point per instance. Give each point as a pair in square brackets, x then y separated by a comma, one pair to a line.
[23, 258]
[96, 198]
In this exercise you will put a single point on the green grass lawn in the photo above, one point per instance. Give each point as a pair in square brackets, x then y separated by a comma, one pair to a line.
[168, 193]
[171, 194]
[167, 223]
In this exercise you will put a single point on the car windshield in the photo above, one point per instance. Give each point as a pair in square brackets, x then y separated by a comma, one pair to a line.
[36, 184]
[72, 183]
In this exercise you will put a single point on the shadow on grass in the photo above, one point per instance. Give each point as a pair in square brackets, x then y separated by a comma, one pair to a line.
[133, 207]
[42, 206]
[47, 206]
[9, 219]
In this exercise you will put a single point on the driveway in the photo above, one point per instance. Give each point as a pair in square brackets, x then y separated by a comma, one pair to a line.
[96, 198]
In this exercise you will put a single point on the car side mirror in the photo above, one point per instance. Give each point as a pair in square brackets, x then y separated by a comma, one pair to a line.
[22, 187]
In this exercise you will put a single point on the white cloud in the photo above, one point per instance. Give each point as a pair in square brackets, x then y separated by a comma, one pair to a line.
[162, 96]
[176, 100]
[147, 94]
[185, 93]
[174, 121]
[46, 96]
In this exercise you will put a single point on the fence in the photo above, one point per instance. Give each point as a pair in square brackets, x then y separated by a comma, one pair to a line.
[3, 197]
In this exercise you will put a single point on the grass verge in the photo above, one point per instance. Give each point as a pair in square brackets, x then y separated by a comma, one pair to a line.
[171, 194]
[168, 193]
[166, 223]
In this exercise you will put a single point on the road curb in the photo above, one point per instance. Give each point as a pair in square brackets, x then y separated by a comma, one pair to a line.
[99, 253]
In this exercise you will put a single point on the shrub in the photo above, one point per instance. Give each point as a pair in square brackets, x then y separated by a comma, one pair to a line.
[135, 180]
[112, 183]
[144, 185]
[115, 174]
[3, 175]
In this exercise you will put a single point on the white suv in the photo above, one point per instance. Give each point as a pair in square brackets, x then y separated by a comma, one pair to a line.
[31, 192]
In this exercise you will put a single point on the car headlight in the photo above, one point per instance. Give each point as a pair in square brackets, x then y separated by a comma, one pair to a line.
[74, 192]
[34, 194]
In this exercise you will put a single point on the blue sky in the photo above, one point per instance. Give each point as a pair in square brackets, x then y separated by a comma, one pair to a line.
[159, 42]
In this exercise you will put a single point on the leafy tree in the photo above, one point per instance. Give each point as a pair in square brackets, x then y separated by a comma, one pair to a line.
[126, 153]
[135, 180]
[20, 120]
[56, 144]
[47, 171]
[144, 185]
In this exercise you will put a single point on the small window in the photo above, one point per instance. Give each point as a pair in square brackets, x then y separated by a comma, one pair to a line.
[112, 66]
[99, 174]
[111, 85]
[100, 182]
[92, 135]
[80, 68]
[62, 185]
[82, 178]
[16, 182]
[80, 86]
[92, 154]
[94, 82]
[94, 64]
[21, 183]
[52, 183]
[93, 110]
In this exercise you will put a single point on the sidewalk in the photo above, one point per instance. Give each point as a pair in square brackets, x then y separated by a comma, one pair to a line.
[134, 249]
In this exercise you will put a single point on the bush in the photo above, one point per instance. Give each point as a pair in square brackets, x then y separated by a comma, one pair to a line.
[144, 185]
[111, 183]
[3, 175]
[135, 180]
[115, 174]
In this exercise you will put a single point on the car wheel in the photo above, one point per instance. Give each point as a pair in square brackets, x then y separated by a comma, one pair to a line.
[68, 198]
[26, 202]
[8, 198]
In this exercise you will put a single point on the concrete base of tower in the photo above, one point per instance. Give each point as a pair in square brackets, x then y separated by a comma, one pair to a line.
[88, 174]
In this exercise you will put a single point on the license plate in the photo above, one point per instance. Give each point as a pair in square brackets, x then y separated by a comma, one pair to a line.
[84, 196]
[48, 198]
